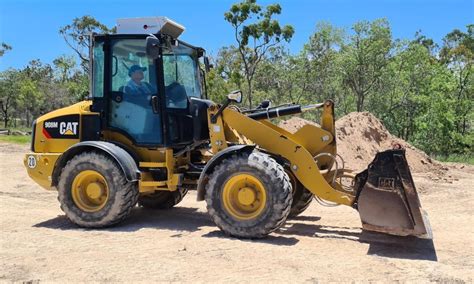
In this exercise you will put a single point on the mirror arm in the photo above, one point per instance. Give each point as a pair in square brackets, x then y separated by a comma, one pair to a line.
[219, 111]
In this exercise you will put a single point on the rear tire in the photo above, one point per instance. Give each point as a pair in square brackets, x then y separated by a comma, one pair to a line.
[93, 191]
[301, 197]
[162, 199]
[249, 196]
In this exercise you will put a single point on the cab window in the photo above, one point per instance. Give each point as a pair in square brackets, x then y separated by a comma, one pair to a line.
[133, 83]
[98, 70]
[181, 76]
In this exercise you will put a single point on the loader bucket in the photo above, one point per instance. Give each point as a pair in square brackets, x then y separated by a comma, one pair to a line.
[387, 200]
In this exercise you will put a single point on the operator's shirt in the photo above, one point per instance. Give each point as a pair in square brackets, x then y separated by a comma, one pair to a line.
[144, 88]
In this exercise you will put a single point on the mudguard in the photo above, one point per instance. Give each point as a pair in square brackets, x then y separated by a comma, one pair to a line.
[124, 159]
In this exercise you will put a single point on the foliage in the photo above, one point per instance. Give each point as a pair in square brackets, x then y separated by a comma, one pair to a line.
[255, 37]
[39, 88]
[423, 93]
[76, 36]
[8, 85]
[4, 48]
[364, 58]
[457, 158]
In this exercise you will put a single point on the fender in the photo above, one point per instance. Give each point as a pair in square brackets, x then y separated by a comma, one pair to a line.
[208, 169]
[124, 159]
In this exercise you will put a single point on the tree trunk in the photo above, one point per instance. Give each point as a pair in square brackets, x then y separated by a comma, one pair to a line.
[360, 102]
[27, 117]
[249, 85]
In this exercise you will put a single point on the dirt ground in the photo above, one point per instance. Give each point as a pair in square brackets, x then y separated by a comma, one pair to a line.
[38, 243]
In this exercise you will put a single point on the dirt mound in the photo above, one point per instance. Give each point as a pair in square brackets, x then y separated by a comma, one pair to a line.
[360, 135]
[293, 124]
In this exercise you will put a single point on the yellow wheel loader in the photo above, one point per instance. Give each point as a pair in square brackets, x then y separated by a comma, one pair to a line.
[148, 134]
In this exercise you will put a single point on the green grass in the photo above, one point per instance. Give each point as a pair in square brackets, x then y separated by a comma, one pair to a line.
[24, 139]
[457, 158]
[21, 128]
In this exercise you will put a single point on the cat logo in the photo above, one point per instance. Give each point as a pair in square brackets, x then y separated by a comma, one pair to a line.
[62, 127]
[68, 128]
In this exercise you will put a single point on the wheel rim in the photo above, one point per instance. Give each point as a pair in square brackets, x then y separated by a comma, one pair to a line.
[244, 197]
[90, 191]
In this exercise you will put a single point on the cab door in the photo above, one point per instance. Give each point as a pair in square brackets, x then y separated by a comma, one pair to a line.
[129, 109]
[181, 82]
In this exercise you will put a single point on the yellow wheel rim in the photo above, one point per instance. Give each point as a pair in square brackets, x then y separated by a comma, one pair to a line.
[90, 191]
[244, 196]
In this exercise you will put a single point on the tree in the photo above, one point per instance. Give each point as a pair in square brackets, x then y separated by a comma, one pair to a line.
[229, 65]
[34, 82]
[4, 47]
[282, 78]
[366, 55]
[458, 54]
[255, 36]
[29, 96]
[77, 35]
[65, 66]
[403, 89]
[322, 70]
[9, 83]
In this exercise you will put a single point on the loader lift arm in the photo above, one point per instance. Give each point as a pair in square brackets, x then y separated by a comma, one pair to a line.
[290, 147]
[311, 152]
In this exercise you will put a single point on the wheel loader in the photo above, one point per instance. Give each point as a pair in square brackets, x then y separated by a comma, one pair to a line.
[148, 134]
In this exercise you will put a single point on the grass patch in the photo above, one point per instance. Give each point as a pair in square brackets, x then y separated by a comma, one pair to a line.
[457, 158]
[23, 139]
[21, 128]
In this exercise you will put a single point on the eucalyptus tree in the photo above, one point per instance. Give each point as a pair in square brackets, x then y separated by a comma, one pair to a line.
[256, 31]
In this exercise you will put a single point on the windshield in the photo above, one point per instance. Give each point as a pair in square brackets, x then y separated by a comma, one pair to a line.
[181, 75]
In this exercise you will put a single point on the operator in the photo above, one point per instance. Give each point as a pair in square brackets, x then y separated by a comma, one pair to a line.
[135, 85]
[141, 121]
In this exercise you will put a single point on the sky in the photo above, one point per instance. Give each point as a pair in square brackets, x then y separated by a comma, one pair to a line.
[31, 26]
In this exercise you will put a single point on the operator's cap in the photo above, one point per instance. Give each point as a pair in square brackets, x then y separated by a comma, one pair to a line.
[135, 68]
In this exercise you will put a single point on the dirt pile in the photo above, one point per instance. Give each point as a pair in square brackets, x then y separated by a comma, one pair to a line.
[293, 124]
[360, 135]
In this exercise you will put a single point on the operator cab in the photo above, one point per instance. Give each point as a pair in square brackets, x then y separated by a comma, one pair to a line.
[151, 99]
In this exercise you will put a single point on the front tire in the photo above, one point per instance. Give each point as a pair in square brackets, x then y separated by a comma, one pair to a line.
[249, 195]
[93, 191]
[301, 196]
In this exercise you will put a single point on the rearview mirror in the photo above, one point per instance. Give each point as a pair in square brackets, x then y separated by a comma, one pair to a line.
[235, 96]
[152, 47]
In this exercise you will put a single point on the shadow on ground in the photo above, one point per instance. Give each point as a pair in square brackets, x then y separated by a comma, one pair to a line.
[180, 219]
[270, 239]
[177, 219]
[185, 219]
[379, 244]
